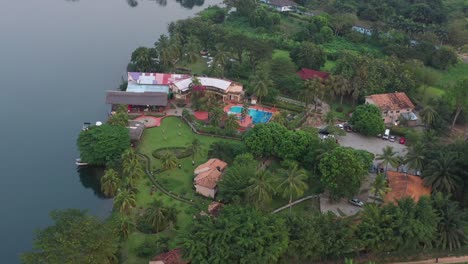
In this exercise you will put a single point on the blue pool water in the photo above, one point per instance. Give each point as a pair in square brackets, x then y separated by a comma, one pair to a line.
[258, 116]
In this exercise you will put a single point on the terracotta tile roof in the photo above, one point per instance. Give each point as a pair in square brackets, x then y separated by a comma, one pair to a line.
[391, 101]
[171, 257]
[405, 185]
[209, 173]
[307, 74]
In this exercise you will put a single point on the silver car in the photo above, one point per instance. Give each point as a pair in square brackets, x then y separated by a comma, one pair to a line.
[356, 202]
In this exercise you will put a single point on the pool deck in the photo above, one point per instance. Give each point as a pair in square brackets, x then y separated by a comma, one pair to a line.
[247, 122]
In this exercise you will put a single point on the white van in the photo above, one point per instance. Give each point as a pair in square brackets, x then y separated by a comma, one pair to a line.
[386, 134]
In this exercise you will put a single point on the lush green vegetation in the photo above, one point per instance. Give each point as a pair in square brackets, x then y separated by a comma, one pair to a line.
[410, 49]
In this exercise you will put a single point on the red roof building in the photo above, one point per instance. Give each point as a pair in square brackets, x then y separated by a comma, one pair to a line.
[307, 74]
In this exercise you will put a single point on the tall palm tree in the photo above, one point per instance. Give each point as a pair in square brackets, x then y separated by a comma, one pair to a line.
[231, 123]
[450, 229]
[124, 201]
[124, 225]
[260, 189]
[338, 86]
[215, 115]
[110, 182]
[261, 84]
[168, 160]
[159, 216]
[313, 91]
[388, 156]
[191, 50]
[245, 110]
[379, 187]
[415, 157]
[428, 115]
[292, 182]
[131, 165]
[441, 175]
[221, 57]
[195, 148]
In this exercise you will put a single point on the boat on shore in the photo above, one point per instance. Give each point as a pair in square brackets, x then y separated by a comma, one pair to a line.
[79, 162]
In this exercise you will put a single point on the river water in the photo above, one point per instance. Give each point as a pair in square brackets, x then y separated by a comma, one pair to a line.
[57, 59]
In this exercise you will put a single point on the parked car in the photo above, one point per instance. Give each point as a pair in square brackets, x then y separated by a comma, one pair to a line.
[386, 134]
[356, 202]
[323, 131]
[402, 140]
[340, 126]
[391, 139]
[348, 128]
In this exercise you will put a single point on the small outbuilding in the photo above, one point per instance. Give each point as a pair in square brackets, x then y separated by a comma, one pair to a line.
[207, 176]
[171, 257]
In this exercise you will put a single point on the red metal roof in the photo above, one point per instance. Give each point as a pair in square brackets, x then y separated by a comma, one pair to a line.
[307, 74]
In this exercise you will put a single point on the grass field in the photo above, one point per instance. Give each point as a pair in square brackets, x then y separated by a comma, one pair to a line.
[444, 79]
[172, 132]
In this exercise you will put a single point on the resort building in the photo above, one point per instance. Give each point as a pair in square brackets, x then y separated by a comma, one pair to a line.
[307, 74]
[281, 5]
[392, 106]
[405, 185]
[137, 101]
[145, 91]
[207, 176]
[171, 257]
[227, 90]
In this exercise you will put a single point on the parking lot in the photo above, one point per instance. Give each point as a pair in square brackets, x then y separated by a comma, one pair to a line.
[371, 144]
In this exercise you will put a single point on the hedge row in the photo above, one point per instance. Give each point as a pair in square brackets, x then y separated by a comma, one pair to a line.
[286, 106]
[179, 152]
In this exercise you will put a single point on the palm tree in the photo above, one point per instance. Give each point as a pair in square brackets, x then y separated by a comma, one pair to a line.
[215, 115]
[231, 123]
[279, 117]
[124, 225]
[245, 110]
[168, 160]
[313, 91]
[330, 118]
[124, 201]
[379, 187]
[261, 84]
[195, 148]
[221, 57]
[293, 182]
[428, 115]
[159, 216]
[338, 86]
[388, 157]
[131, 164]
[441, 175]
[261, 189]
[450, 229]
[110, 182]
[191, 50]
[415, 156]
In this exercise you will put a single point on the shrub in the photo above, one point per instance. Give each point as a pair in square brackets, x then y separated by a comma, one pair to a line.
[152, 246]
[339, 109]
[179, 152]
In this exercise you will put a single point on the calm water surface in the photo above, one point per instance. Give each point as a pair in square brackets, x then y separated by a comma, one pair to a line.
[57, 59]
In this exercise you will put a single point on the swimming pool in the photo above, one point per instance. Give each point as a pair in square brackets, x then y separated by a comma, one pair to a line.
[258, 116]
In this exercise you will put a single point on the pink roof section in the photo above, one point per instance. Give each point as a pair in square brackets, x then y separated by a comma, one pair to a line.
[155, 78]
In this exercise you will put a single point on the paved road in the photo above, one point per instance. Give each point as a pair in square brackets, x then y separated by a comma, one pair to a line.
[461, 259]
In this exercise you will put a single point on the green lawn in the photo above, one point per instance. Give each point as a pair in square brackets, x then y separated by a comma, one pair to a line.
[329, 65]
[172, 132]
[199, 67]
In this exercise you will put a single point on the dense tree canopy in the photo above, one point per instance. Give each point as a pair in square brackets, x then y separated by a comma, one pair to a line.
[75, 237]
[342, 171]
[367, 119]
[308, 55]
[101, 145]
[238, 235]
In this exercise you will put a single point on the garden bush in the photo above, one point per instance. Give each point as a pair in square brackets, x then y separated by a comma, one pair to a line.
[152, 246]
[179, 152]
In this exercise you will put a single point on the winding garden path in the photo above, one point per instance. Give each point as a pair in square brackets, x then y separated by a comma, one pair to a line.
[158, 185]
